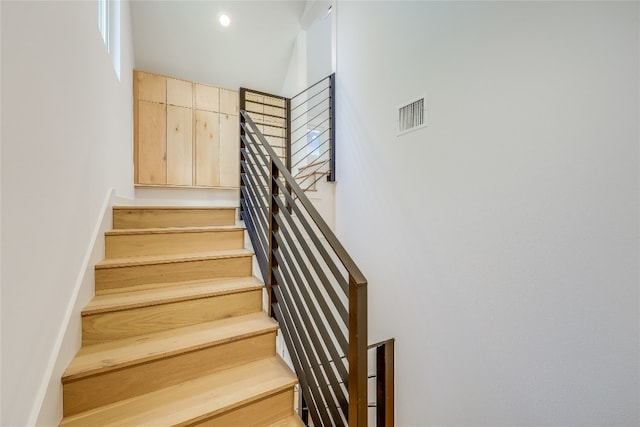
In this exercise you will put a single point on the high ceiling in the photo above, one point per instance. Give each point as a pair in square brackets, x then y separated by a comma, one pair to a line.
[185, 39]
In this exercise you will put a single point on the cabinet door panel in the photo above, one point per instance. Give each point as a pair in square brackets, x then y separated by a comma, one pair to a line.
[229, 151]
[179, 146]
[207, 148]
[180, 93]
[152, 143]
[229, 101]
[151, 87]
[207, 98]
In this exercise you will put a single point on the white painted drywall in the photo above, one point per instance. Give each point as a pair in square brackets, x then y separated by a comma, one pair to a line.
[319, 48]
[66, 142]
[295, 80]
[500, 242]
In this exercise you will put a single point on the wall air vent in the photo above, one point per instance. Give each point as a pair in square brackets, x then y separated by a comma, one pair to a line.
[412, 116]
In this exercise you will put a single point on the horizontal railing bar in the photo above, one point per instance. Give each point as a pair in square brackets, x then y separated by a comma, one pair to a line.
[327, 259]
[299, 348]
[264, 196]
[310, 120]
[270, 124]
[260, 256]
[249, 109]
[307, 155]
[342, 341]
[320, 272]
[263, 191]
[329, 374]
[309, 142]
[311, 87]
[320, 176]
[315, 106]
[310, 130]
[268, 104]
[316, 164]
[355, 273]
[321, 249]
[262, 233]
[306, 101]
[251, 196]
[257, 226]
[252, 142]
[305, 295]
[297, 362]
[257, 92]
[381, 343]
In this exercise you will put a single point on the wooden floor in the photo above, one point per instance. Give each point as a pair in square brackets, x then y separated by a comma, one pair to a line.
[176, 334]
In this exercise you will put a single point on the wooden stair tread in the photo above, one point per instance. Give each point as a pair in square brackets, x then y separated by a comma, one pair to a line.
[169, 230]
[194, 400]
[315, 163]
[307, 174]
[290, 421]
[167, 259]
[97, 358]
[180, 208]
[180, 291]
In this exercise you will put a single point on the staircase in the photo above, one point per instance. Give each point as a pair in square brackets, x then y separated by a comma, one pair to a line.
[176, 334]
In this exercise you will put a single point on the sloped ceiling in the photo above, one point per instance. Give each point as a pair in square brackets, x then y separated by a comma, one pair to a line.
[184, 39]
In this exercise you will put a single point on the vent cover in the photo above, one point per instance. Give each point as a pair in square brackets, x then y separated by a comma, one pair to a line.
[411, 116]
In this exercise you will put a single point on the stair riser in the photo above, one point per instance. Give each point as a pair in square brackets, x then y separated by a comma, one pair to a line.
[152, 218]
[172, 243]
[256, 414]
[114, 325]
[91, 392]
[110, 279]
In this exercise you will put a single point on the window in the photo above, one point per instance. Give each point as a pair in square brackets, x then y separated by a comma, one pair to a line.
[109, 27]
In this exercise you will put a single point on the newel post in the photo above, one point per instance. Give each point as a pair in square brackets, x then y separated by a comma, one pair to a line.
[357, 353]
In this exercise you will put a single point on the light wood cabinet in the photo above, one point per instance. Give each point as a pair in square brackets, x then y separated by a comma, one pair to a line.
[179, 146]
[207, 148]
[186, 133]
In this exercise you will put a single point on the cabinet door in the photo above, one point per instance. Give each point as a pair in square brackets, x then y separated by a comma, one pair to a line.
[229, 151]
[207, 148]
[229, 101]
[151, 87]
[179, 146]
[180, 93]
[152, 143]
[207, 98]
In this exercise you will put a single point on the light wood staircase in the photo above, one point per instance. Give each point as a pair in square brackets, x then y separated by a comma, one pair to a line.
[176, 335]
[308, 175]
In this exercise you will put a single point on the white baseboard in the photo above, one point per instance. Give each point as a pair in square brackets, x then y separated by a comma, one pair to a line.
[47, 409]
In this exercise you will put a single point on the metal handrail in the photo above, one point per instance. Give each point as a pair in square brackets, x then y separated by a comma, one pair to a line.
[290, 259]
[319, 103]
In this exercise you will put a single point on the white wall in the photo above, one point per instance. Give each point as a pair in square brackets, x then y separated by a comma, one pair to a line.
[295, 80]
[66, 143]
[319, 49]
[501, 242]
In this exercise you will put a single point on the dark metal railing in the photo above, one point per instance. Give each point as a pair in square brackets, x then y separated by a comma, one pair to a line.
[312, 133]
[383, 379]
[315, 290]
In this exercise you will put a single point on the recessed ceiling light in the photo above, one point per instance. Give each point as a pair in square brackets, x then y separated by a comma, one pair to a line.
[224, 20]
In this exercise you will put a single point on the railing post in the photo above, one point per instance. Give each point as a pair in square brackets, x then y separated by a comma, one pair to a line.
[288, 134]
[385, 384]
[273, 229]
[332, 123]
[288, 145]
[242, 147]
[358, 403]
